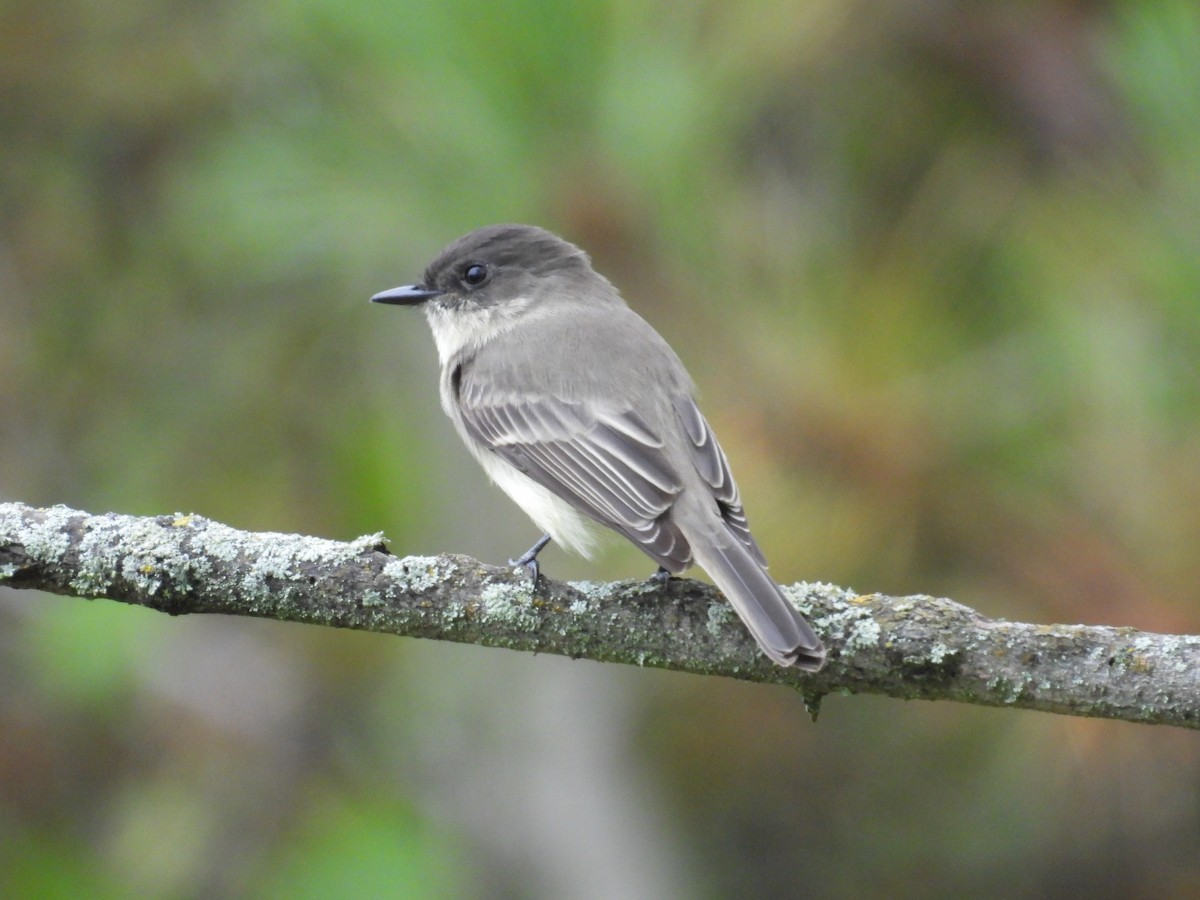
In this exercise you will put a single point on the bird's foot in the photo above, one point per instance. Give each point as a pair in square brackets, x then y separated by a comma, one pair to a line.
[528, 560]
[661, 577]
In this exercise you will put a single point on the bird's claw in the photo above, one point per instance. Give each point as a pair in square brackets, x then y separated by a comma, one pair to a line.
[528, 560]
[529, 565]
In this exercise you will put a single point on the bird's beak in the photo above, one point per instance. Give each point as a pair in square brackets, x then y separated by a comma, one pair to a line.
[407, 295]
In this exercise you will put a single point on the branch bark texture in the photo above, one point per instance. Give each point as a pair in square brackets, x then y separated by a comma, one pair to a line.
[915, 647]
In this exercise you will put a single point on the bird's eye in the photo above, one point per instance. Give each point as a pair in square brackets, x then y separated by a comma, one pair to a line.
[475, 274]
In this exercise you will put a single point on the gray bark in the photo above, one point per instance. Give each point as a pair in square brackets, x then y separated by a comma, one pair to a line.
[915, 647]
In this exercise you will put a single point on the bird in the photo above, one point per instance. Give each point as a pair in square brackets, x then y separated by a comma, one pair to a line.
[583, 415]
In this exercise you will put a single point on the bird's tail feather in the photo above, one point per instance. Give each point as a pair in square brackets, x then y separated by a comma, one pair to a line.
[781, 632]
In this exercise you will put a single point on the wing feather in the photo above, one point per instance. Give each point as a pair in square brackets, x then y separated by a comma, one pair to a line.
[713, 466]
[610, 466]
[641, 456]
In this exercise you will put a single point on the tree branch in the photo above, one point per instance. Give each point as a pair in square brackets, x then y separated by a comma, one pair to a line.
[910, 647]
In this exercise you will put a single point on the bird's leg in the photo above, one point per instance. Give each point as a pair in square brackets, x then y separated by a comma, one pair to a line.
[528, 559]
[661, 577]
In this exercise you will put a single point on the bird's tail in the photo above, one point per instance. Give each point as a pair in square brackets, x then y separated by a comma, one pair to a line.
[781, 632]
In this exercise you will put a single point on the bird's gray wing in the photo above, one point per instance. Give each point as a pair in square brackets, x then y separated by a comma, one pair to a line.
[710, 462]
[608, 464]
[737, 564]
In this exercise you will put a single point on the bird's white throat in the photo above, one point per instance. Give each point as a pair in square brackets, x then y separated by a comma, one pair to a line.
[469, 327]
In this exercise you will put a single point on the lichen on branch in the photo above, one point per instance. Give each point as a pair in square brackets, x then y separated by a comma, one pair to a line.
[916, 647]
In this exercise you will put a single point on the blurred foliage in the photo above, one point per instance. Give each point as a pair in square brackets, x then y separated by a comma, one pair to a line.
[935, 266]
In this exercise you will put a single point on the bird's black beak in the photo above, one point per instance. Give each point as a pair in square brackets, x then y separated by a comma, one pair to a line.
[407, 295]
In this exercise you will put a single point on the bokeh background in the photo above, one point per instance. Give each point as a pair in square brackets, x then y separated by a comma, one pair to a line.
[935, 266]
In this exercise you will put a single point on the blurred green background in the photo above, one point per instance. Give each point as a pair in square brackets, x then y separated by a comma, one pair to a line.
[935, 266]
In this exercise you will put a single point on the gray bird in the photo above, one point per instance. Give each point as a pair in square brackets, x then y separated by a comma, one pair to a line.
[582, 413]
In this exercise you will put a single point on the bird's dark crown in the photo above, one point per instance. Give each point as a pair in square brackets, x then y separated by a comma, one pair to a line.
[525, 248]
